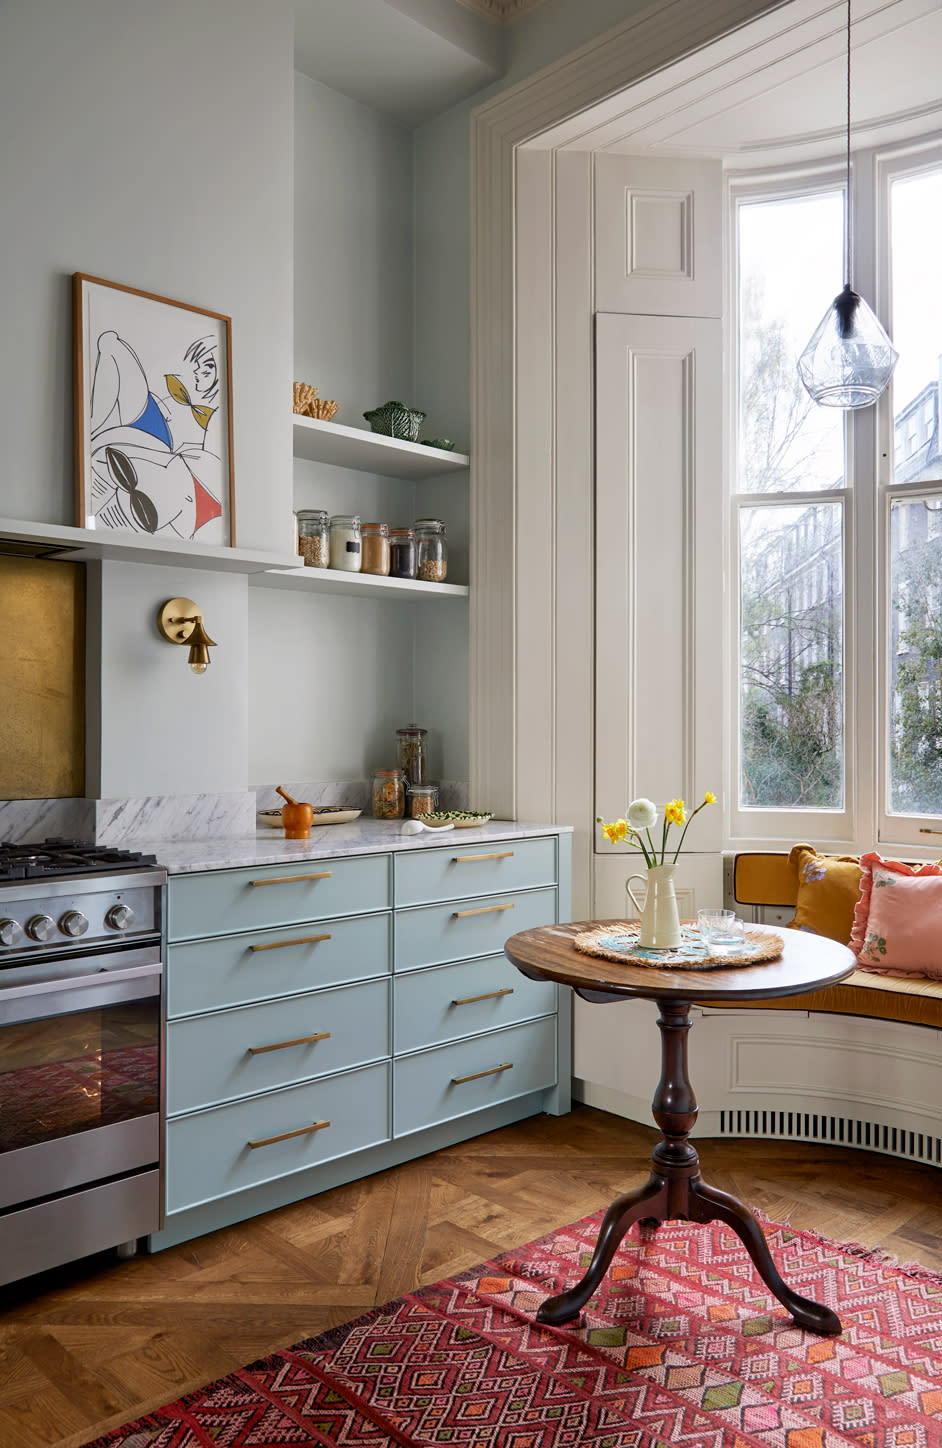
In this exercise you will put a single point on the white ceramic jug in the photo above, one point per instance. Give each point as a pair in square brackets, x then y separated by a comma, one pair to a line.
[660, 921]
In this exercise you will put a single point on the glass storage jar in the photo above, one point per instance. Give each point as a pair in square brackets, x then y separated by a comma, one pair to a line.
[431, 550]
[410, 753]
[312, 537]
[401, 553]
[375, 555]
[421, 799]
[389, 794]
[345, 542]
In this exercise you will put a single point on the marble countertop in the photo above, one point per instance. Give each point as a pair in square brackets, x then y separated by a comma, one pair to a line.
[365, 836]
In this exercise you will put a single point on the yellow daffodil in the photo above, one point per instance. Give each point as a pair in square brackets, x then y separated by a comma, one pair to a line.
[642, 814]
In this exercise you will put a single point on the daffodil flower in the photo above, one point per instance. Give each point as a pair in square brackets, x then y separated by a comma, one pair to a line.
[642, 815]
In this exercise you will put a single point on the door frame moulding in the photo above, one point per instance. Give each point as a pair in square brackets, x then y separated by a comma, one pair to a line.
[515, 466]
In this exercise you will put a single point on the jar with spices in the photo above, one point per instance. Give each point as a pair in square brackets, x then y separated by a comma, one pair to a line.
[375, 556]
[389, 794]
[345, 542]
[421, 799]
[312, 537]
[431, 550]
[401, 553]
[410, 753]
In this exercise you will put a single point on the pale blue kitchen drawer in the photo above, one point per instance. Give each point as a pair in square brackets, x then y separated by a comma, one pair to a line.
[227, 901]
[459, 871]
[434, 1086]
[217, 1058]
[229, 970]
[210, 1153]
[442, 1004]
[435, 934]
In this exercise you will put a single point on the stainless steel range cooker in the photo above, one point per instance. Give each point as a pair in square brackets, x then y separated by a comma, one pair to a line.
[81, 963]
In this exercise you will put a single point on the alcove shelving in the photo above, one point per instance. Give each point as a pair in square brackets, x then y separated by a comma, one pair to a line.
[371, 452]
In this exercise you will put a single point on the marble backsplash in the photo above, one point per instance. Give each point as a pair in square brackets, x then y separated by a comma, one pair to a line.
[180, 816]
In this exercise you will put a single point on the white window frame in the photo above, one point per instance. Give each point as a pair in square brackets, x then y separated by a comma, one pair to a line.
[753, 827]
[869, 440]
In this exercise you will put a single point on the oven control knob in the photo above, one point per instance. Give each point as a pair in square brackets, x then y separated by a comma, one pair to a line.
[119, 917]
[73, 923]
[10, 932]
[41, 927]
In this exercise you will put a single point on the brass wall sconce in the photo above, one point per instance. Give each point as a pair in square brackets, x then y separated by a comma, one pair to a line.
[180, 621]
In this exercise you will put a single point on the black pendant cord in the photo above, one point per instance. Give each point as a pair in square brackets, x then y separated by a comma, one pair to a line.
[847, 247]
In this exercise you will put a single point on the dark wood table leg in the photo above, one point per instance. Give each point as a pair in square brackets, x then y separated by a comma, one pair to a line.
[676, 1191]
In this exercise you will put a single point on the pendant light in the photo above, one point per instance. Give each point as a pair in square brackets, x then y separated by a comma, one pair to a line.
[849, 361]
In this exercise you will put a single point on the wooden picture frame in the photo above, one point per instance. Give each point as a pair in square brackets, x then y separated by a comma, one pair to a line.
[153, 414]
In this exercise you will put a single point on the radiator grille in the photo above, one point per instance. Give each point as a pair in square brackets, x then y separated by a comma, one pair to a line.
[837, 1130]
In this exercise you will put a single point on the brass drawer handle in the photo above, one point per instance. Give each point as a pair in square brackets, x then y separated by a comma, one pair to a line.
[280, 944]
[466, 859]
[492, 995]
[292, 879]
[484, 910]
[283, 1045]
[494, 1071]
[287, 1135]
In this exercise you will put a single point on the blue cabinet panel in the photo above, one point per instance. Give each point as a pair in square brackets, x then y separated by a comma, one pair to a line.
[230, 970]
[451, 1001]
[239, 1052]
[460, 871]
[227, 901]
[434, 934]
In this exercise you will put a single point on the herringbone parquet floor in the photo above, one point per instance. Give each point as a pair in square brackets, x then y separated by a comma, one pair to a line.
[86, 1348]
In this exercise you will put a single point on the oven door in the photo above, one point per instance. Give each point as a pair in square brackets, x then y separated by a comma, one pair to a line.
[79, 1072]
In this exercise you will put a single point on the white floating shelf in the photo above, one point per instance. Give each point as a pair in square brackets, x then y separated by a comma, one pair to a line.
[370, 452]
[362, 585]
[79, 545]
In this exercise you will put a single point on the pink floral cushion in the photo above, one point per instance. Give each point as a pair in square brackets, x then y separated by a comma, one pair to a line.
[898, 918]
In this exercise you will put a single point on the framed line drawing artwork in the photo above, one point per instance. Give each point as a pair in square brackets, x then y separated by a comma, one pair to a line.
[153, 414]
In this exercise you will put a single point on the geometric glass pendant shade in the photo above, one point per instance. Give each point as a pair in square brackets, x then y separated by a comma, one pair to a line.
[850, 359]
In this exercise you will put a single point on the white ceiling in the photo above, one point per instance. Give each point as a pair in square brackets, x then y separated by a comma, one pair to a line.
[774, 92]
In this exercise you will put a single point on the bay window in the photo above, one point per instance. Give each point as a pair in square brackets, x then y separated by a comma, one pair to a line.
[836, 520]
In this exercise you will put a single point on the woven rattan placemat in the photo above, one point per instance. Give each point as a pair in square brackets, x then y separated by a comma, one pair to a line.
[620, 942]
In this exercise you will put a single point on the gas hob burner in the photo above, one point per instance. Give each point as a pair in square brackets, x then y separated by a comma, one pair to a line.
[55, 858]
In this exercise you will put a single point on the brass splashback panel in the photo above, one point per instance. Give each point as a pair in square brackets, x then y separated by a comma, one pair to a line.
[42, 679]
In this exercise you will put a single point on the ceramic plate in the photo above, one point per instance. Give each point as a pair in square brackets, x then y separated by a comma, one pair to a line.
[324, 814]
[461, 819]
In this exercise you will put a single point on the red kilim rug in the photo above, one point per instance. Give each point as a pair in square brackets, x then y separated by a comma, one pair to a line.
[682, 1345]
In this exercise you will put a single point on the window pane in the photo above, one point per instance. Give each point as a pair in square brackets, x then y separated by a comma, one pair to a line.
[790, 254]
[915, 655]
[791, 674]
[915, 221]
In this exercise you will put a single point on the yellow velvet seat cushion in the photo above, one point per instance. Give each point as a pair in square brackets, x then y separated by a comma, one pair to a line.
[828, 887]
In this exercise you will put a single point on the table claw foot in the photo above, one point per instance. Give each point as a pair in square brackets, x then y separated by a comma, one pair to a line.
[632, 1207]
[709, 1204]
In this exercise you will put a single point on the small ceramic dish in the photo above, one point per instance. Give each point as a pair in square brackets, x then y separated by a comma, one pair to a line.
[445, 444]
[462, 819]
[324, 814]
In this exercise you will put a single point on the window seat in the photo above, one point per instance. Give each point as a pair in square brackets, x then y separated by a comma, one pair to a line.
[764, 882]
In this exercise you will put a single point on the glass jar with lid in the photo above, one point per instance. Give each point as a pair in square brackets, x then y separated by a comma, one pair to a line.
[313, 537]
[375, 555]
[345, 543]
[389, 794]
[421, 799]
[401, 553]
[431, 550]
[410, 753]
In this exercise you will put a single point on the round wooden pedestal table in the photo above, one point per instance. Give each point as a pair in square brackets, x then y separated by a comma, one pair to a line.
[675, 1188]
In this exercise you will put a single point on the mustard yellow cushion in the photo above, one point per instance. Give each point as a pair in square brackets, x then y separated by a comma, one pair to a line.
[828, 890]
